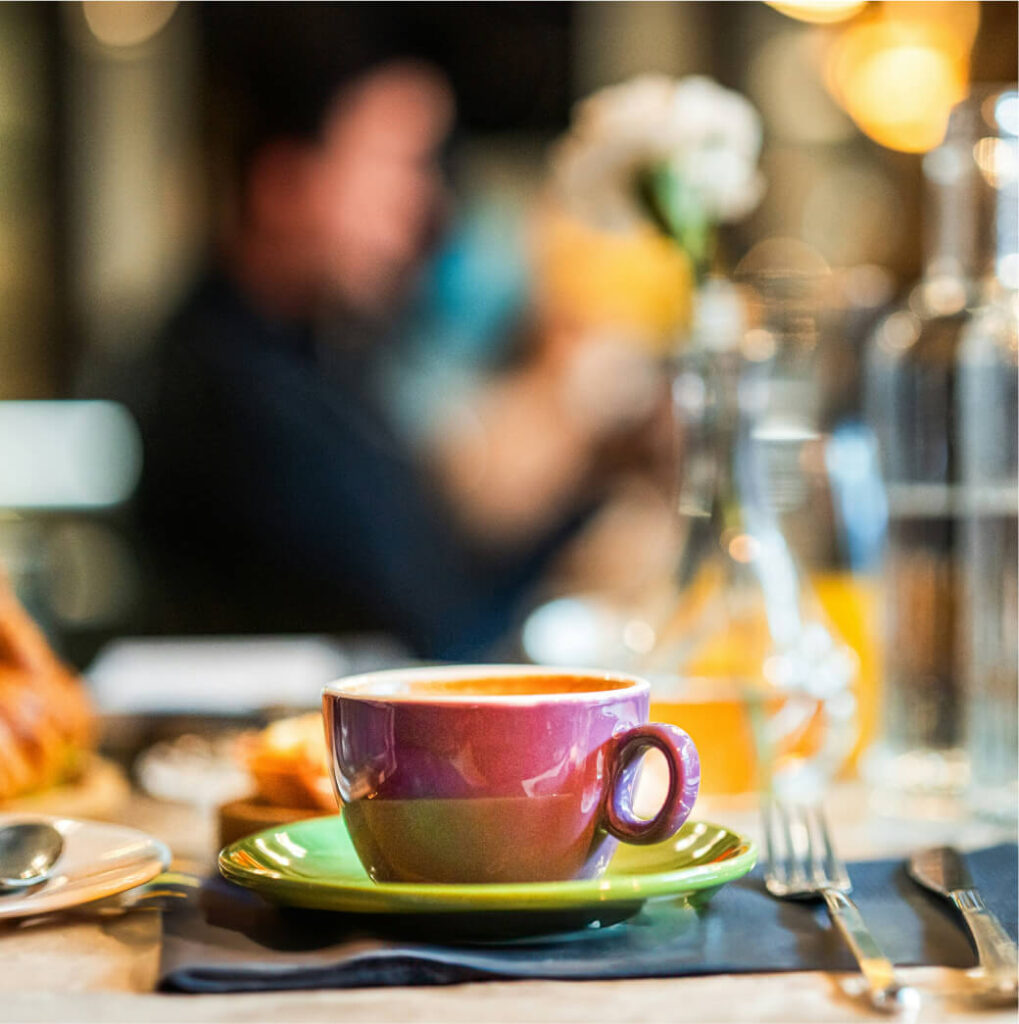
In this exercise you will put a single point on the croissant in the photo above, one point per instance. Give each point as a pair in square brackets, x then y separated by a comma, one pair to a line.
[46, 719]
[290, 764]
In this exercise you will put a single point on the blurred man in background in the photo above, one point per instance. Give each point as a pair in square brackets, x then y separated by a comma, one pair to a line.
[275, 493]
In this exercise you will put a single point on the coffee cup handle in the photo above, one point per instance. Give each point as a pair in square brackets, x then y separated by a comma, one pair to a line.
[684, 781]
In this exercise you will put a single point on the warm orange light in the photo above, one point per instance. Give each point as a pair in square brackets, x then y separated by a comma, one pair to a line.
[899, 80]
[818, 12]
[744, 548]
[127, 22]
[998, 160]
[958, 18]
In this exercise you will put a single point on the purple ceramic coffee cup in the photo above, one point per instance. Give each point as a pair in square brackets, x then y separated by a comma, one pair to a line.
[501, 773]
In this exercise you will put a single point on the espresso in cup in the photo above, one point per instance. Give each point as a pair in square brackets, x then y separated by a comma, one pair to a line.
[498, 773]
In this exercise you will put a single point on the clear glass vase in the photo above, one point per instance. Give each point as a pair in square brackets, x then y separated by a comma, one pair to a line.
[745, 655]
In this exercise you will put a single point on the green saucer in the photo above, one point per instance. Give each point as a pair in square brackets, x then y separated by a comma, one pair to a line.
[312, 864]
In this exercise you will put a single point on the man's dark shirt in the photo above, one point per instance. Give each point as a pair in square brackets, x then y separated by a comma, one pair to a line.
[277, 498]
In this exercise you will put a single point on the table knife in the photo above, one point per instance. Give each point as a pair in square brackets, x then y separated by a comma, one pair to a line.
[943, 870]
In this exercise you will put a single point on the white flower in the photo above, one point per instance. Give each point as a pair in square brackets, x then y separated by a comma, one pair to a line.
[710, 138]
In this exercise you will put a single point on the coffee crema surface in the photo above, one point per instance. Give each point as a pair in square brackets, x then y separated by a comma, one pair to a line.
[551, 685]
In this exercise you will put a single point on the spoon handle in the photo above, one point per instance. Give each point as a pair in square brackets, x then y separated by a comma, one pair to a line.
[995, 949]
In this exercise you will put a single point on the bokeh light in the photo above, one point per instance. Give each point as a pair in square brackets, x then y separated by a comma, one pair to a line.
[996, 159]
[1006, 112]
[818, 12]
[899, 78]
[958, 19]
[127, 22]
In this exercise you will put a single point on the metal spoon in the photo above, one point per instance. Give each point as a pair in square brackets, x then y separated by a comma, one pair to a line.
[28, 851]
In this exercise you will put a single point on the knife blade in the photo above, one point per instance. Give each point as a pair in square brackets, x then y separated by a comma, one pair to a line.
[943, 870]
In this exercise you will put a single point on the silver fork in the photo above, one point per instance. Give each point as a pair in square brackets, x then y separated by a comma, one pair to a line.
[803, 865]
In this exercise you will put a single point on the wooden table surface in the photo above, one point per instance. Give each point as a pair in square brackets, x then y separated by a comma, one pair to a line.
[66, 969]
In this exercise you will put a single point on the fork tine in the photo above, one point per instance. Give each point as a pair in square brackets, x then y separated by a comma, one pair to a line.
[814, 824]
[838, 876]
[776, 867]
[813, 870]
[793, 831]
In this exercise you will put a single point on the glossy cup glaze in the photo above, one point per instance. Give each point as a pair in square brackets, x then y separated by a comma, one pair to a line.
[498, 773]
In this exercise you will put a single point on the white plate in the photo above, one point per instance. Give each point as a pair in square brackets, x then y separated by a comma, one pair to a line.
[98, 860]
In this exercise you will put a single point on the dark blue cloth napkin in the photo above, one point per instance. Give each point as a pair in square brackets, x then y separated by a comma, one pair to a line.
[229, 940]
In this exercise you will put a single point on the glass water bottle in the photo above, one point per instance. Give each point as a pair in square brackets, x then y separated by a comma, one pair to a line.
[911, 403]
[987, 445]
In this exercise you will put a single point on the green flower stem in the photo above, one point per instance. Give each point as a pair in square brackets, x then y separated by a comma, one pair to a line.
[678, 212]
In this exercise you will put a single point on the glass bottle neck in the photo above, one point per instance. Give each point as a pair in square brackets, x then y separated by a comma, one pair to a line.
[1005, 269]
[972, 211]
[738, 417]
[958, 227]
